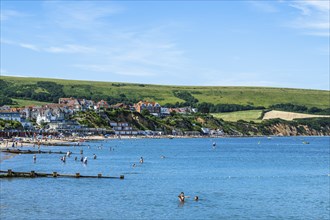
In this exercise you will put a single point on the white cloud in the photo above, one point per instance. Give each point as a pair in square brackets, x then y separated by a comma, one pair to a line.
[23, 45]
[29, 46]
[314, 17]
[82, 15]
[70, 48]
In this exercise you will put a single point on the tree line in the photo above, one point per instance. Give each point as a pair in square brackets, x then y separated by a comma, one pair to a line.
[299, 108]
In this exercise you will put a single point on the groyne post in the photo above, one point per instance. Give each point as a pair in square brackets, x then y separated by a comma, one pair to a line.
[32, 174]
[54, 174]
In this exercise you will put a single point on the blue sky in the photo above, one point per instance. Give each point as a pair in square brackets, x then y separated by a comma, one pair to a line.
[275, 43]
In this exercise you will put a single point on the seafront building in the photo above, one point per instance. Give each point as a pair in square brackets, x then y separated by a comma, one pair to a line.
[10, 116]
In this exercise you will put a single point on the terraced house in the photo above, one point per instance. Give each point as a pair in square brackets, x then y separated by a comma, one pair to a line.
[153, 107]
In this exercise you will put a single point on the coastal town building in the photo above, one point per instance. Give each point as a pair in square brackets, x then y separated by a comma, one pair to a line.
[64, 125]
[48, 114]
[5, 108]
[153, 107]
[122, 128]
[101, 105]
[165, 112]
[77, 104]
[10, 116]
[205, 131]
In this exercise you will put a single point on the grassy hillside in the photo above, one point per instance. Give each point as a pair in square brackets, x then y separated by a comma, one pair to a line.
[22, 102]
[250, 115]
[256, 96]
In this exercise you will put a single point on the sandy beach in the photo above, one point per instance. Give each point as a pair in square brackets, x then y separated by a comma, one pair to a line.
[74, 141]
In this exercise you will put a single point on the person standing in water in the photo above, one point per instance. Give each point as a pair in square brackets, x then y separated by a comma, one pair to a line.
[141, 160]
[34, 158]
[85, 160]
[181, 197]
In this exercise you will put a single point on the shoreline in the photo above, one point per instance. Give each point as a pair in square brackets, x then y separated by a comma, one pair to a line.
[73, 141]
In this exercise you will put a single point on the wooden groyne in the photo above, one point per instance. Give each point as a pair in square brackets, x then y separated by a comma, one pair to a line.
[18, 151]
[66, 144]
[33, 174]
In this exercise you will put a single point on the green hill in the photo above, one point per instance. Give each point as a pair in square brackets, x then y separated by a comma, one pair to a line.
[49, 90]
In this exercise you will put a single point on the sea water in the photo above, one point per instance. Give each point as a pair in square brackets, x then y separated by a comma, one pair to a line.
[239, 178]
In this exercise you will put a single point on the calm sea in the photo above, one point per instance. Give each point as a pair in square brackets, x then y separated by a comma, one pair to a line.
[240, 178]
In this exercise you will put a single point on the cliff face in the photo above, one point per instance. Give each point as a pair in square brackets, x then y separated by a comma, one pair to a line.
[290, 130]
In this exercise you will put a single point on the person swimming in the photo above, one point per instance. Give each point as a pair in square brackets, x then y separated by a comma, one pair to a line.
[196, 198]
